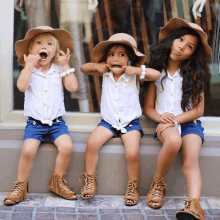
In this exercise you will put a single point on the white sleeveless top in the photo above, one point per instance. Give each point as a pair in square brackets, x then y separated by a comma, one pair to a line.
[44, 100]
[169, 97]
[120, 100]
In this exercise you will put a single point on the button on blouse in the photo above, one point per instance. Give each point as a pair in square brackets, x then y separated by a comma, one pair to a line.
[44, 99]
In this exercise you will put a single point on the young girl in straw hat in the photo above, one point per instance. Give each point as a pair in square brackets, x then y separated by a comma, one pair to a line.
[120, 107]
[45, 54]
[175, 102]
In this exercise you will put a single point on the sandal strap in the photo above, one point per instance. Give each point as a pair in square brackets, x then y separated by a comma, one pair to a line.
[18, 192]
[132, 191]
[193, 206]
[90, 184]
[59, 186]
[157, 191]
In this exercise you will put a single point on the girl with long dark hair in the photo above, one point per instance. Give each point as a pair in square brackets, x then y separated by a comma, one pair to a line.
[176, 102]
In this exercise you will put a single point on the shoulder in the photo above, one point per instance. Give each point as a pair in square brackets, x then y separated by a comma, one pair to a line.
[163, 74]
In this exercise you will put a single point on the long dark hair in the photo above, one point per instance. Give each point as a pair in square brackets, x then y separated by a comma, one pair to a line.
[193, 70]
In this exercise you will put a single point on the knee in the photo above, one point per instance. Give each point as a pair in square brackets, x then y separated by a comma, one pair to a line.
[189, 163]
[28, 154]
[173, 143]
[92, 146]
[132, 157]
[66, 149]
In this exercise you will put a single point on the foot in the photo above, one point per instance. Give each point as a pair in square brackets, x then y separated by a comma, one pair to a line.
[18, 193]
[132, 193]
[58, 185]
[89, 189]
[191, 211]
[156, 193]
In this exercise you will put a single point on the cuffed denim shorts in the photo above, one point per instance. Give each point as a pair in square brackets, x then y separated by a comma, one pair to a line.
[190, 128]
[36, 130]
[133, 125]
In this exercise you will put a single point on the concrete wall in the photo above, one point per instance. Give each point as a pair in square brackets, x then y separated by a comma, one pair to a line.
[111, 171]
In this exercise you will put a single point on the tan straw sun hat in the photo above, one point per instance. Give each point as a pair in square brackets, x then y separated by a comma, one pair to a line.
[64, 38]
[120, 38]
[176, 23]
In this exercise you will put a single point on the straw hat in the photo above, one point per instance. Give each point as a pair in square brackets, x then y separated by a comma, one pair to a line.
[119, 38]
[64, 38]
[176, 23]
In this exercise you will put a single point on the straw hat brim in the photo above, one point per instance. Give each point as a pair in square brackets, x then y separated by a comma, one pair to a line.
[176, 23]
[99, 50]
[64, 38]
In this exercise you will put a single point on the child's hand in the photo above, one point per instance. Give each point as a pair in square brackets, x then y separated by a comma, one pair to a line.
[102, 67]
[31, 59]
[63, 59]
[162, 127]
[166, 118]
[131, 70]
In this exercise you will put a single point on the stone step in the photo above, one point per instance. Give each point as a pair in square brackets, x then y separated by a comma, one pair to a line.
[111, 171]
[46, 206]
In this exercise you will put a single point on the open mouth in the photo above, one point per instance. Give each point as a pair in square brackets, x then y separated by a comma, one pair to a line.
[43, 55]
[116, 66]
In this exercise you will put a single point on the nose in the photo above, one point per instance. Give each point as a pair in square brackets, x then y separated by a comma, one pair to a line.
[182, 46]
[115, 57]
[43, 45]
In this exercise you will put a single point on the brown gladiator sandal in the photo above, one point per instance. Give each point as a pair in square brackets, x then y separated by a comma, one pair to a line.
[58, 185]
[18, 193]
[90, 186]
[156, 193]
[192, 211]
[132, 193]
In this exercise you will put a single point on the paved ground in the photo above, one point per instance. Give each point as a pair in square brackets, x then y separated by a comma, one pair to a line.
[50, 207]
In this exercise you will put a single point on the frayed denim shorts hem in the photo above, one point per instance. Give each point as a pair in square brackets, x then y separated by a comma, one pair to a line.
[189, 128]
[133, 125]
[36, 130]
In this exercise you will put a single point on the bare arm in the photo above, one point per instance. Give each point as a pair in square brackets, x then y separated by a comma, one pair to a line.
[151, 74]
[194, 113]
[149, 103]
[24, 78]
[95, 69]
[149, 107]
[69, 81]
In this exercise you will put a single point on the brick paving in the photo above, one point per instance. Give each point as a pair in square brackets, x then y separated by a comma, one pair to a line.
[46, 206]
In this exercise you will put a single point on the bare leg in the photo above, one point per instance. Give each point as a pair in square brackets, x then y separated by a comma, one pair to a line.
[65, 148]
[131, 142]
[98, 137]
[28, 153]
[190, 164]
[172, 142]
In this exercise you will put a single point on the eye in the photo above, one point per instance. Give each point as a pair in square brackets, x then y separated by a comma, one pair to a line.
[49, 43]
[38, 42]
[181, 39]
[190, 47]
[121, 54]
[110, 54]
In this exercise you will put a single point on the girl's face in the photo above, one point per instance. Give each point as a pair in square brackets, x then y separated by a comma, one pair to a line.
[117, 58]
[183, 48]
[45, 47]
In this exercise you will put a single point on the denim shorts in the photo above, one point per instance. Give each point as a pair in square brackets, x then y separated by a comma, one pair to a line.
[36, 130]
[190, 128]
[133, 125]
